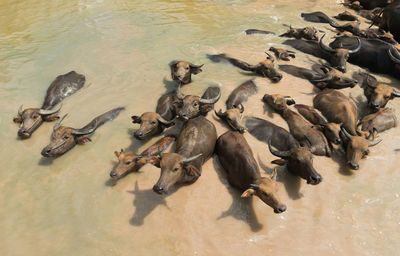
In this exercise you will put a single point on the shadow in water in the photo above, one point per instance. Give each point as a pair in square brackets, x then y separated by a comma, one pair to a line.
[145, 202]
[46, 161]
[241, 208]
[340, 158]
[268, 110]
[169, 85]
[291, 183]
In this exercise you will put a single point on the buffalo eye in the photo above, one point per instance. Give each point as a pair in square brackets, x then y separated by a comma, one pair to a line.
[386, 97]
[265, 193]
[128, 162]
[35, 117]
[187, 68]
[366, 152]
[195, 104]
[66, 137]
[153, 122]
[175, 169]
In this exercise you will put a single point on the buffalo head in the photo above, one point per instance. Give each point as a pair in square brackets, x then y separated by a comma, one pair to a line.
[266, 68]
[31, 118]
[278, 102]
[299, 162]
[339, 56]
[378, 94]
[181, 71]
[175, 168]
[127, 162]
[233, 117]
[151, 123]
[267, 190]
[357, 148]
[190, 106]
[333, 79]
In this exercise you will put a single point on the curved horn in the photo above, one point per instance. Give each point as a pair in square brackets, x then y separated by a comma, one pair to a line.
[20, 110]
[88, 130]
[373, 143]
[163, 121]
[357, 48]
[195, 66]
[277, 152]
[179, 95]
[211, 101]
[396, 93]
[254, 186]
[325, 47]
[49, 111]
[270, 57]
[325, 79]
[369, 83]
[187, 160]
[393, 58]
[220, 114]
[58, 124]
[241, 108]
[348, 135]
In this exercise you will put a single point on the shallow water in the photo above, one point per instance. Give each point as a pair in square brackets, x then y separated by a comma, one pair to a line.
[68, 207]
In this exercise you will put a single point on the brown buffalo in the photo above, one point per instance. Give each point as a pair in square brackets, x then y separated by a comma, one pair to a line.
[151, 124]
[299, 162]
[236, 158]
[302, 130]
[233, 117]
[283, 54]
[190, 106]
[347, 16]
[357, 148]
[330, 130]
[194, 146]
[339, 56]
[379, 121]
[352, 27]
[65, 138]
[181, 71]
[129, 161]
[240, 94]
[265, 68]
[309, 33]
[337, 108]
[31, 118]
[165, 106]
[378, 94]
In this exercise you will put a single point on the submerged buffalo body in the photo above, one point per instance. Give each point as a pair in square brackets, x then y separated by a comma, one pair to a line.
[63, 86]
[240, 94]
[236, 158]
[194, 146]
[65, 138]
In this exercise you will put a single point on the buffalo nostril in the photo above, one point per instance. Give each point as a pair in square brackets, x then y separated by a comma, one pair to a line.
[353, 166]
[241, 130]
[338, 141]
[158, 189]
[375, 105]
[282, 208]
[342, 69]
[113, 174]
[46, 152]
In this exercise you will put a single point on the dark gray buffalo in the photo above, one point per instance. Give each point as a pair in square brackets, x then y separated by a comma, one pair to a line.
[31, 118]
[65, 138]
[236, 158]
[194, 146]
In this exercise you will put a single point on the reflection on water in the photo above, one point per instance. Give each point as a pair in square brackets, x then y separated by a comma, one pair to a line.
[68, 206]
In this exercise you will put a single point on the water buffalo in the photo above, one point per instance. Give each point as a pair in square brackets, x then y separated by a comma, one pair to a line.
[357, 148]
[129, 161]
[194, 146]
[391, 19]
[352, 27]
[283, 54]
[241, 93]
[65, 138]
[378, 94]
[370, 14]
[258, 31]
[236, 158]
[190, 106]
[151, 124]
[347, 16]
[321, 76]
[337, 108]
[264, 68]
[318, 17]
[371, 4]
[63, 86]
[340, 55]
[302, 130]
[181, 71]
[330, 130]
[379, 121]
[233, 117]
[308, 33]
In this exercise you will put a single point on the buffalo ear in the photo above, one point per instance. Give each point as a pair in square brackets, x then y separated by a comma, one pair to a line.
[155, 160]
[82, 140]
[17, 119]
[206, 108]
[248, 193]
[136, 119]
[279, 162]
[117, 153]
[177, 103]
[50, 118]
[173, 63]
[195, 69]
[191, 170]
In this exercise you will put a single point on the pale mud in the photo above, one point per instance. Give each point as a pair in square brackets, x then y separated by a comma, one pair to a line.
[69, 207]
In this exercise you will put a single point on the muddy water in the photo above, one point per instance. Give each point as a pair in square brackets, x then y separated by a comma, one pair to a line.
[69, 207]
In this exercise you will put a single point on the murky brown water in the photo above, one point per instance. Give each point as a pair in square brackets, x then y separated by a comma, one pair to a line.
[67, 207]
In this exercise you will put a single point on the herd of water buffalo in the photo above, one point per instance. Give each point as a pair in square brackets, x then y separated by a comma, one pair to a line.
[337, 120]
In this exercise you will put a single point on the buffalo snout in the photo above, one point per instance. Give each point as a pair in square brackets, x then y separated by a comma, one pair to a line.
[276, 78]
[353, 166]
[314, 179]
[46, 152]
[23, 134]
[158, 189]
[280, 209]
